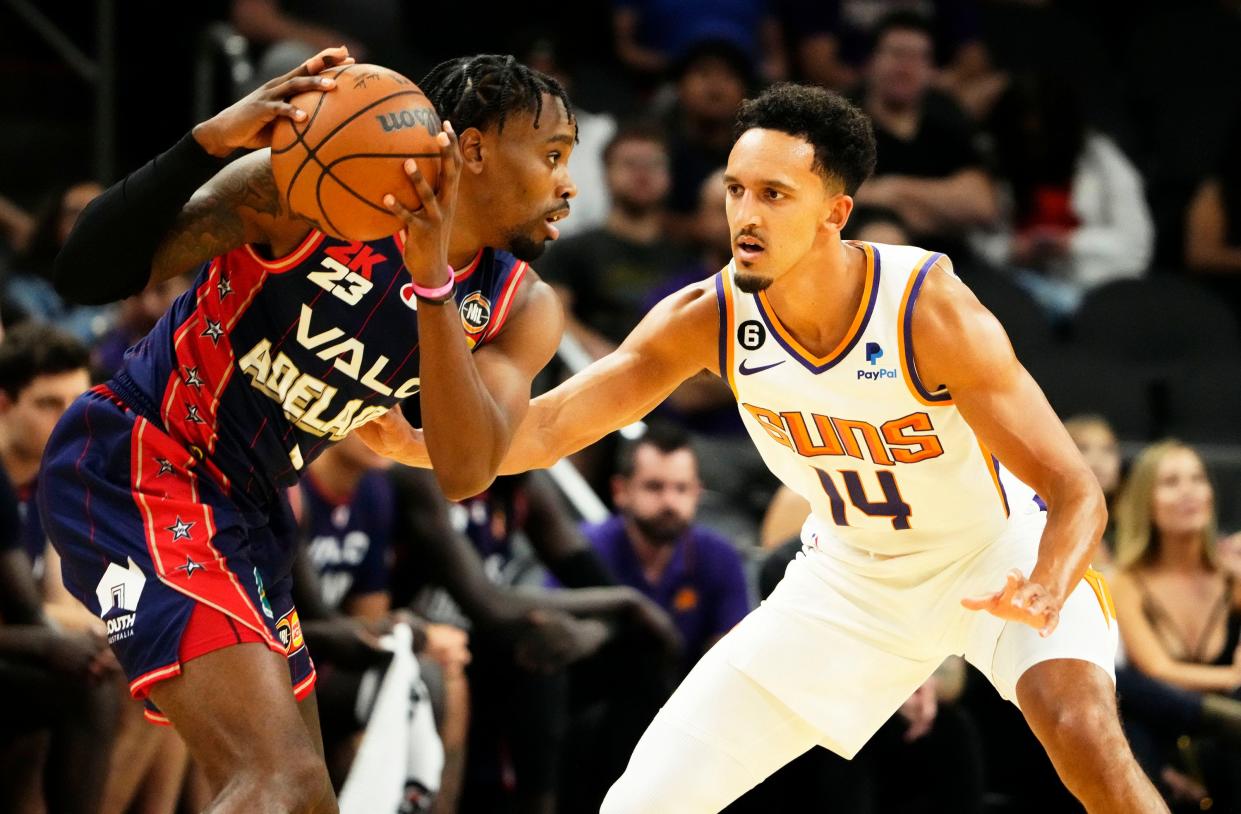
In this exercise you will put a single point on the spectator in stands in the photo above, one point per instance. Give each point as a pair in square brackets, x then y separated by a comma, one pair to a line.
[1213, 224]
[876, 225]
[595, 131]
[345, 511]
[711, 80]
[460, 562]
[703, 404]
[1075, 213]
[16, 227]
[654, 545]
[290, 31]
[42, 370]
[931, 171]
[137, 317]
[652, 34]
[605, 275]
[29, 289]
[59, 682]
[832, 39]
[1180, 621]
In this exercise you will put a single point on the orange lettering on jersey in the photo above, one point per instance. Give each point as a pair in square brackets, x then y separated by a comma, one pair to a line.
[800, 434]
[847, 428]
[770, 421]
[924, 446]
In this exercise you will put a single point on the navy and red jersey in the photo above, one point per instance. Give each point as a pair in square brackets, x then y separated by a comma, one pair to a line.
[263, 363]
[349, 542]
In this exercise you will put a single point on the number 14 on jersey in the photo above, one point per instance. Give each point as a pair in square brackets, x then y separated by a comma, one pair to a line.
[892, 504]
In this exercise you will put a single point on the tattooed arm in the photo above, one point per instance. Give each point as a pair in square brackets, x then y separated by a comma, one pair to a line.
[153, 225]
[240, 205]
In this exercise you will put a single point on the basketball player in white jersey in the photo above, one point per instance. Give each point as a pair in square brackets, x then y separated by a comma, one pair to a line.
[951, 514]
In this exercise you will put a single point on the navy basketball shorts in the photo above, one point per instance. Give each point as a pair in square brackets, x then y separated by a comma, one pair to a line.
[153, 544]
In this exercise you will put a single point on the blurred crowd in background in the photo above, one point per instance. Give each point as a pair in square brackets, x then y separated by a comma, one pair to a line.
[1079, 161]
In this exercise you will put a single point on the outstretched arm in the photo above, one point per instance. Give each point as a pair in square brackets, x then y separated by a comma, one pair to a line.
[675, 341]
[960, 344]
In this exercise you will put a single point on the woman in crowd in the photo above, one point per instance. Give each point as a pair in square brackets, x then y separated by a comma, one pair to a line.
[1180, 622]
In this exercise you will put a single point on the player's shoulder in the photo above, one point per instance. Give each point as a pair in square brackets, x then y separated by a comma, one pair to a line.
[694, 297]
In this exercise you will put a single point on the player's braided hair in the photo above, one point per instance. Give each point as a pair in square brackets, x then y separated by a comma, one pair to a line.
[482, 90]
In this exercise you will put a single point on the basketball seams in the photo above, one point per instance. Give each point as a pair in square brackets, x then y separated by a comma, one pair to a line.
[327, 173]
[332, 168]
[299, 135]
[312, 152]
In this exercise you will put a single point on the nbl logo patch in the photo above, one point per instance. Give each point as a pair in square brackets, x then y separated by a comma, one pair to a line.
[475, 312]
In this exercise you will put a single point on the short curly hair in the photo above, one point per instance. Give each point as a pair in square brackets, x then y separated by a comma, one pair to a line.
[841, 134]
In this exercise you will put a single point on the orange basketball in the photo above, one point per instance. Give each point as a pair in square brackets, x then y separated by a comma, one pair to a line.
[335, 167]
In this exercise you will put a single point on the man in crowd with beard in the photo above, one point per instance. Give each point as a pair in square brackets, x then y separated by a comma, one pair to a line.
[654, 546]
[605, 275]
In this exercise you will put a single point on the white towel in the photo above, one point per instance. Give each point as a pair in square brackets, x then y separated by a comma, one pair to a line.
[398, 765]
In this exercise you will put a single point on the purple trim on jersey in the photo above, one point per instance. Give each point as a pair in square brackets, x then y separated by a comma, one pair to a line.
[995, 463]
[907, 317]
[724, 326]
[830, 363]
[1042, 504]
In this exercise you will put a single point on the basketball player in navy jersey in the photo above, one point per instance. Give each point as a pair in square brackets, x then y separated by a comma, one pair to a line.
[161, 488]
[952, 513]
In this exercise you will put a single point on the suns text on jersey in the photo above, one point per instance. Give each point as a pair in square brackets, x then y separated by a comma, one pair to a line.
[906, 440]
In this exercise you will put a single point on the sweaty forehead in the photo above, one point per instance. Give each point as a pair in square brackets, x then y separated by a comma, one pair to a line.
[762, 153]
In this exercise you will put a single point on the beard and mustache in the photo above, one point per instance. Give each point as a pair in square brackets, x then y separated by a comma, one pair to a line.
[521, 245]
[662, 529]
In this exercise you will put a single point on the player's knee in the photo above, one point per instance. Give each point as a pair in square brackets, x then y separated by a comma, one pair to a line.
[1075, 723]
[300, 785]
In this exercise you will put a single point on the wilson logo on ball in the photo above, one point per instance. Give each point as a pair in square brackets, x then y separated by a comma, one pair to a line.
[475, 312]
[411, 117]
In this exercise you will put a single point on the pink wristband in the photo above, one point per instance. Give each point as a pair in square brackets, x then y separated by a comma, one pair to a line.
[437, 293]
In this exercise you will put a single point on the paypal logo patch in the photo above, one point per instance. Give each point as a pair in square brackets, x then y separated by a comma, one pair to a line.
[874, 352]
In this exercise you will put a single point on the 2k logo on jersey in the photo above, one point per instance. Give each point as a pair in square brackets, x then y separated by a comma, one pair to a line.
[874, 352]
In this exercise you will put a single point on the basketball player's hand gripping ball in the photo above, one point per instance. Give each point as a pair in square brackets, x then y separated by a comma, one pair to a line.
[248, 123]
[1020, 601]
[428, 229]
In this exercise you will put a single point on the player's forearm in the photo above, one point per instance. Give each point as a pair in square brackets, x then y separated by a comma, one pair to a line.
[1076, 517]
[613, 392]
[109, 254]
[461, 423]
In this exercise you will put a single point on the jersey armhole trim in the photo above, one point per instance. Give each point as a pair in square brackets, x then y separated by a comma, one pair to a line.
[993, 468]
[904, 337]
[724, 302]
[505, 304]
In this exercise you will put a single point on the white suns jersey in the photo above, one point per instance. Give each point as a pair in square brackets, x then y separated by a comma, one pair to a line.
[889, 466]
